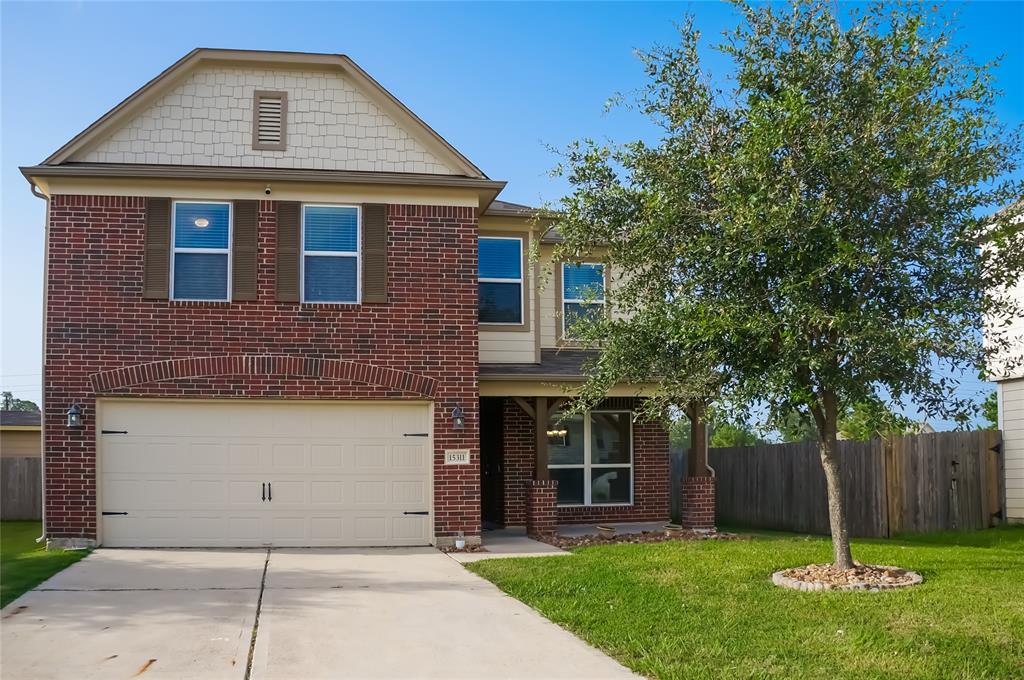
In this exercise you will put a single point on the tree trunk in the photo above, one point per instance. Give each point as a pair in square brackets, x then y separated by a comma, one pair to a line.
[828, 448]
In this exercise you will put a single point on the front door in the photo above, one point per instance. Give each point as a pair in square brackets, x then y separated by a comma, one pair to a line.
[492, 478]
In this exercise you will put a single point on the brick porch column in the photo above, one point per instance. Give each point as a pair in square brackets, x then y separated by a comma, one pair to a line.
[541, 508]
[698, 503]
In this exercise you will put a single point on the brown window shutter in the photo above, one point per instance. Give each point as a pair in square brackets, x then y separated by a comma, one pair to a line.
[157, 258]
[375, 252]
[243, 250]
[288, 250]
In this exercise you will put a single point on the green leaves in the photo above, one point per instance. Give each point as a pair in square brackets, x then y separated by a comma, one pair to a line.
[814, 231]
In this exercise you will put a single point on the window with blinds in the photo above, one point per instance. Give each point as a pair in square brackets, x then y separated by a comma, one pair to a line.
[269, 120]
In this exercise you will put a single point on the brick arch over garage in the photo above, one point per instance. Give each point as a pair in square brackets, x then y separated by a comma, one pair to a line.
[262, 365]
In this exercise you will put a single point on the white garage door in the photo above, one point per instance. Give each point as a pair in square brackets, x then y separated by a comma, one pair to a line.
[247, 473]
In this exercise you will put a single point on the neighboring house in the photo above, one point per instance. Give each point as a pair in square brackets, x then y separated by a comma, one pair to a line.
[1010, 397]
[290, 313]
[20, 434]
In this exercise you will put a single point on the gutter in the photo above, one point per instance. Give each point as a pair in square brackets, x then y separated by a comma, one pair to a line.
[261, 174]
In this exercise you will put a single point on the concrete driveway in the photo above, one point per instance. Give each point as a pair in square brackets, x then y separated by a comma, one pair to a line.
[381, 613]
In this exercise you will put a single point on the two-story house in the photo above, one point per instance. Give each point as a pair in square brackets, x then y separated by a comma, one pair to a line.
[281, 310]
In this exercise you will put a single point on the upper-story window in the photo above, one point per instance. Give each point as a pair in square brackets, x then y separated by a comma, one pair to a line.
[200, 256]
[330, 253]
[501, 280]
[582, 294]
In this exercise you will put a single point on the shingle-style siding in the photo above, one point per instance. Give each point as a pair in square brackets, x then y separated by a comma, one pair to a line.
[207, 120]
[97, 322]
[650, 471]
[1012, 417]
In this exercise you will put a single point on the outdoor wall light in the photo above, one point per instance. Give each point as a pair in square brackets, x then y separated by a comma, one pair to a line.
[75, 415]
[458, 418]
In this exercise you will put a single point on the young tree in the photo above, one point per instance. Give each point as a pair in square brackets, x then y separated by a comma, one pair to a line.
[990, 411]
[809, 239]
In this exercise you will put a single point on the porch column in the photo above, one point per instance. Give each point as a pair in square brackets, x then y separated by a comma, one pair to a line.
[698, 492]
[540, 421]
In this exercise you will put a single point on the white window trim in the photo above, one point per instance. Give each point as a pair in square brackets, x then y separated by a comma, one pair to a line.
[566, 301]
[521, 281]
[211, 251]
[587, 466]
[358, 254]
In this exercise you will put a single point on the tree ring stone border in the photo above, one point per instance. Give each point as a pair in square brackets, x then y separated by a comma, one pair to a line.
[783, 581]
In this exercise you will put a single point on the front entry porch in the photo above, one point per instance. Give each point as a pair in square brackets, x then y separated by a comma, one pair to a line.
[541, 469]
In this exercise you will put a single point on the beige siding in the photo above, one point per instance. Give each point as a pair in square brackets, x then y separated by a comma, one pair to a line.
[1012, 424]
[20, 442]
[1015, 332]
[207, 120]
[507, 348]
[549, 315]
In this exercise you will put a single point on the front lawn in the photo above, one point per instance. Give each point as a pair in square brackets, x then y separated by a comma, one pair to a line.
[708, 610]
[24, 563]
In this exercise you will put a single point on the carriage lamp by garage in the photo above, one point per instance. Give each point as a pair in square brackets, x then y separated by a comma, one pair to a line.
[458, 418]
[75, 415]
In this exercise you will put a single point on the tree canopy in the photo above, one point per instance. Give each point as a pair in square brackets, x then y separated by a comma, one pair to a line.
[11, 403]
[808, 238]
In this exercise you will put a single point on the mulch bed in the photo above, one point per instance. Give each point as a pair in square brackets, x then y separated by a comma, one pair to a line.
[470, 547]
[869, 577]
[642, 537]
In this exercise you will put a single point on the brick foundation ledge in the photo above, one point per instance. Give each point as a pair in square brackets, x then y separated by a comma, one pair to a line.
[449, 541]
[76, 543]
[541, 508]
[698, 503]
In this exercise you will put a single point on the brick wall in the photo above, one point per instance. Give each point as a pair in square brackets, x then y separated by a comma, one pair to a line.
[97, 321]
[698, 503]
[650, 472]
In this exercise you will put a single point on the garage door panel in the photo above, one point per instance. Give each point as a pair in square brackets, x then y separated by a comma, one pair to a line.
[327, 457]
[410, 457]
[192, 474]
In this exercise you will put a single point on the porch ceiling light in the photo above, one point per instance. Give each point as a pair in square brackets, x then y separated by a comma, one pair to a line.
[202, 222]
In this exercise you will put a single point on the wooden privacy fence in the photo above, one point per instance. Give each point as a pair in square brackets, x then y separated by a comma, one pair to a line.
[919, 483]
[21, 489]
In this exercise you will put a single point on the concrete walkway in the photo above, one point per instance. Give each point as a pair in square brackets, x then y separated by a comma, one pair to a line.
[381, 613]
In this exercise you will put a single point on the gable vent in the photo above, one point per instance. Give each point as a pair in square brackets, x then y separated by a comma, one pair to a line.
[269, 120]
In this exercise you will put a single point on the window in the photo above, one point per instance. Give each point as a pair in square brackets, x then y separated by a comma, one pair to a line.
[582, 294]
[501, 280]
[269, 120]
[200, 256]
[330, 253]
[591, 456]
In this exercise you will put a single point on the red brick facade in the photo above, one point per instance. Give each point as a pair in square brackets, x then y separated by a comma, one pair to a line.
[698, 503]
[650, 472]
[104, 339]
[541, 508]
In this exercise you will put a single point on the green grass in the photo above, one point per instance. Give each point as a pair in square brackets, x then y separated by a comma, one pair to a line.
[708, 610]
[24, 563]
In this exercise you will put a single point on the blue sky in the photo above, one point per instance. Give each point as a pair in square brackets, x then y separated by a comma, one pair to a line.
[500, 81]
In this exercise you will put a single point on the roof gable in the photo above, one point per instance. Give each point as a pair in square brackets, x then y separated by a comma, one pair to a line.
[199, 113]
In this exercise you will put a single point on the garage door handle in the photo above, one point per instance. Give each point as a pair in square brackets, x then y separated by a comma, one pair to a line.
[264, 491]
[420, 512]
[105, 513]
[270, 491]
[416, 434]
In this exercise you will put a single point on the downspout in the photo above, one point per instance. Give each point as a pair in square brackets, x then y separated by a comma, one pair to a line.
[707, 449]
[42, 406]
